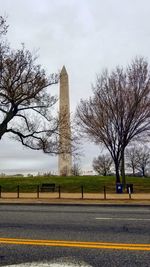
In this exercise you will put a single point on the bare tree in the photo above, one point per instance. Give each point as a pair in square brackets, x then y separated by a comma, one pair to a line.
[131, 157]
[119, 110]
[26, 105]
[138, 158]
[76, 168]
[102, 164]
[143, 159]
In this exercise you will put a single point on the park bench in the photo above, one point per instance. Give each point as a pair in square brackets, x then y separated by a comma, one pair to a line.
[47, 188]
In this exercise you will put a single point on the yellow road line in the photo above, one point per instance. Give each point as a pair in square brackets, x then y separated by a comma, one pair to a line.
[77, 244]
[72, 242]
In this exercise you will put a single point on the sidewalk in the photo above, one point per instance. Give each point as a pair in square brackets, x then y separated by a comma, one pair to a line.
[75, 199]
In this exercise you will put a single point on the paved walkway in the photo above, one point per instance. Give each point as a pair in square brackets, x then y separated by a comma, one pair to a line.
[74, 198]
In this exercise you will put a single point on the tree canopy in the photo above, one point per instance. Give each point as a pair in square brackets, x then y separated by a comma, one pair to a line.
[102, 164]
[138, 159]
[119, 110]
[26, 104]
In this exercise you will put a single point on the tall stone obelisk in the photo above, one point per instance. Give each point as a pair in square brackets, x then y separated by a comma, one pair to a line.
[65, 158]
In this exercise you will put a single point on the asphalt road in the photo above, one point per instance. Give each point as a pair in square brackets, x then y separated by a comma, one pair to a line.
[88, 236]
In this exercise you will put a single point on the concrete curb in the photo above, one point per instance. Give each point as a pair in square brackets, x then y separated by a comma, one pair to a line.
[73, 203]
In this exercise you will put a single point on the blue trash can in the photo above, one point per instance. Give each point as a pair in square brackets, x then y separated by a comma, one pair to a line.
[119, 188]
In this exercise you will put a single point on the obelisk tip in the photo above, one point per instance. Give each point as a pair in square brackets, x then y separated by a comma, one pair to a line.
[63, 71]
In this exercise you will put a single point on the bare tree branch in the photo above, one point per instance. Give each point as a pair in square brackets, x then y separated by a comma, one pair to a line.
[138, 158]
[102, 164]
[119, 110]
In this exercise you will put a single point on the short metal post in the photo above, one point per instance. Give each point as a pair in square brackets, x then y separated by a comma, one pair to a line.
[18, 191]
[129, 190]
[59, 191]
[0, 191]
[38, 190]
[105, 192]
[82, 191]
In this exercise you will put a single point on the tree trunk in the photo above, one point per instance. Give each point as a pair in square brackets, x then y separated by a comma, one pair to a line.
[123, 169]
[143, 171]
[133, 171]
[117, 172]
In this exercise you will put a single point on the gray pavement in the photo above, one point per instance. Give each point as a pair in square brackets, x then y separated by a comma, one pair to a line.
[126, 225]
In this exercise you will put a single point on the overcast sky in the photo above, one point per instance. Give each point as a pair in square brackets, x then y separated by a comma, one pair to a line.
[84, 35]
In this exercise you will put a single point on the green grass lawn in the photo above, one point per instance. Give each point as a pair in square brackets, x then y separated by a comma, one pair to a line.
[90, 184]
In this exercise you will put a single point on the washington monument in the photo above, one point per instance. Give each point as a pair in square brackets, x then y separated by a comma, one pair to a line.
[65, 158]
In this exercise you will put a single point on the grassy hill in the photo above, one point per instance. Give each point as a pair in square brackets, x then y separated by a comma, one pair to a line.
[73, 183]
